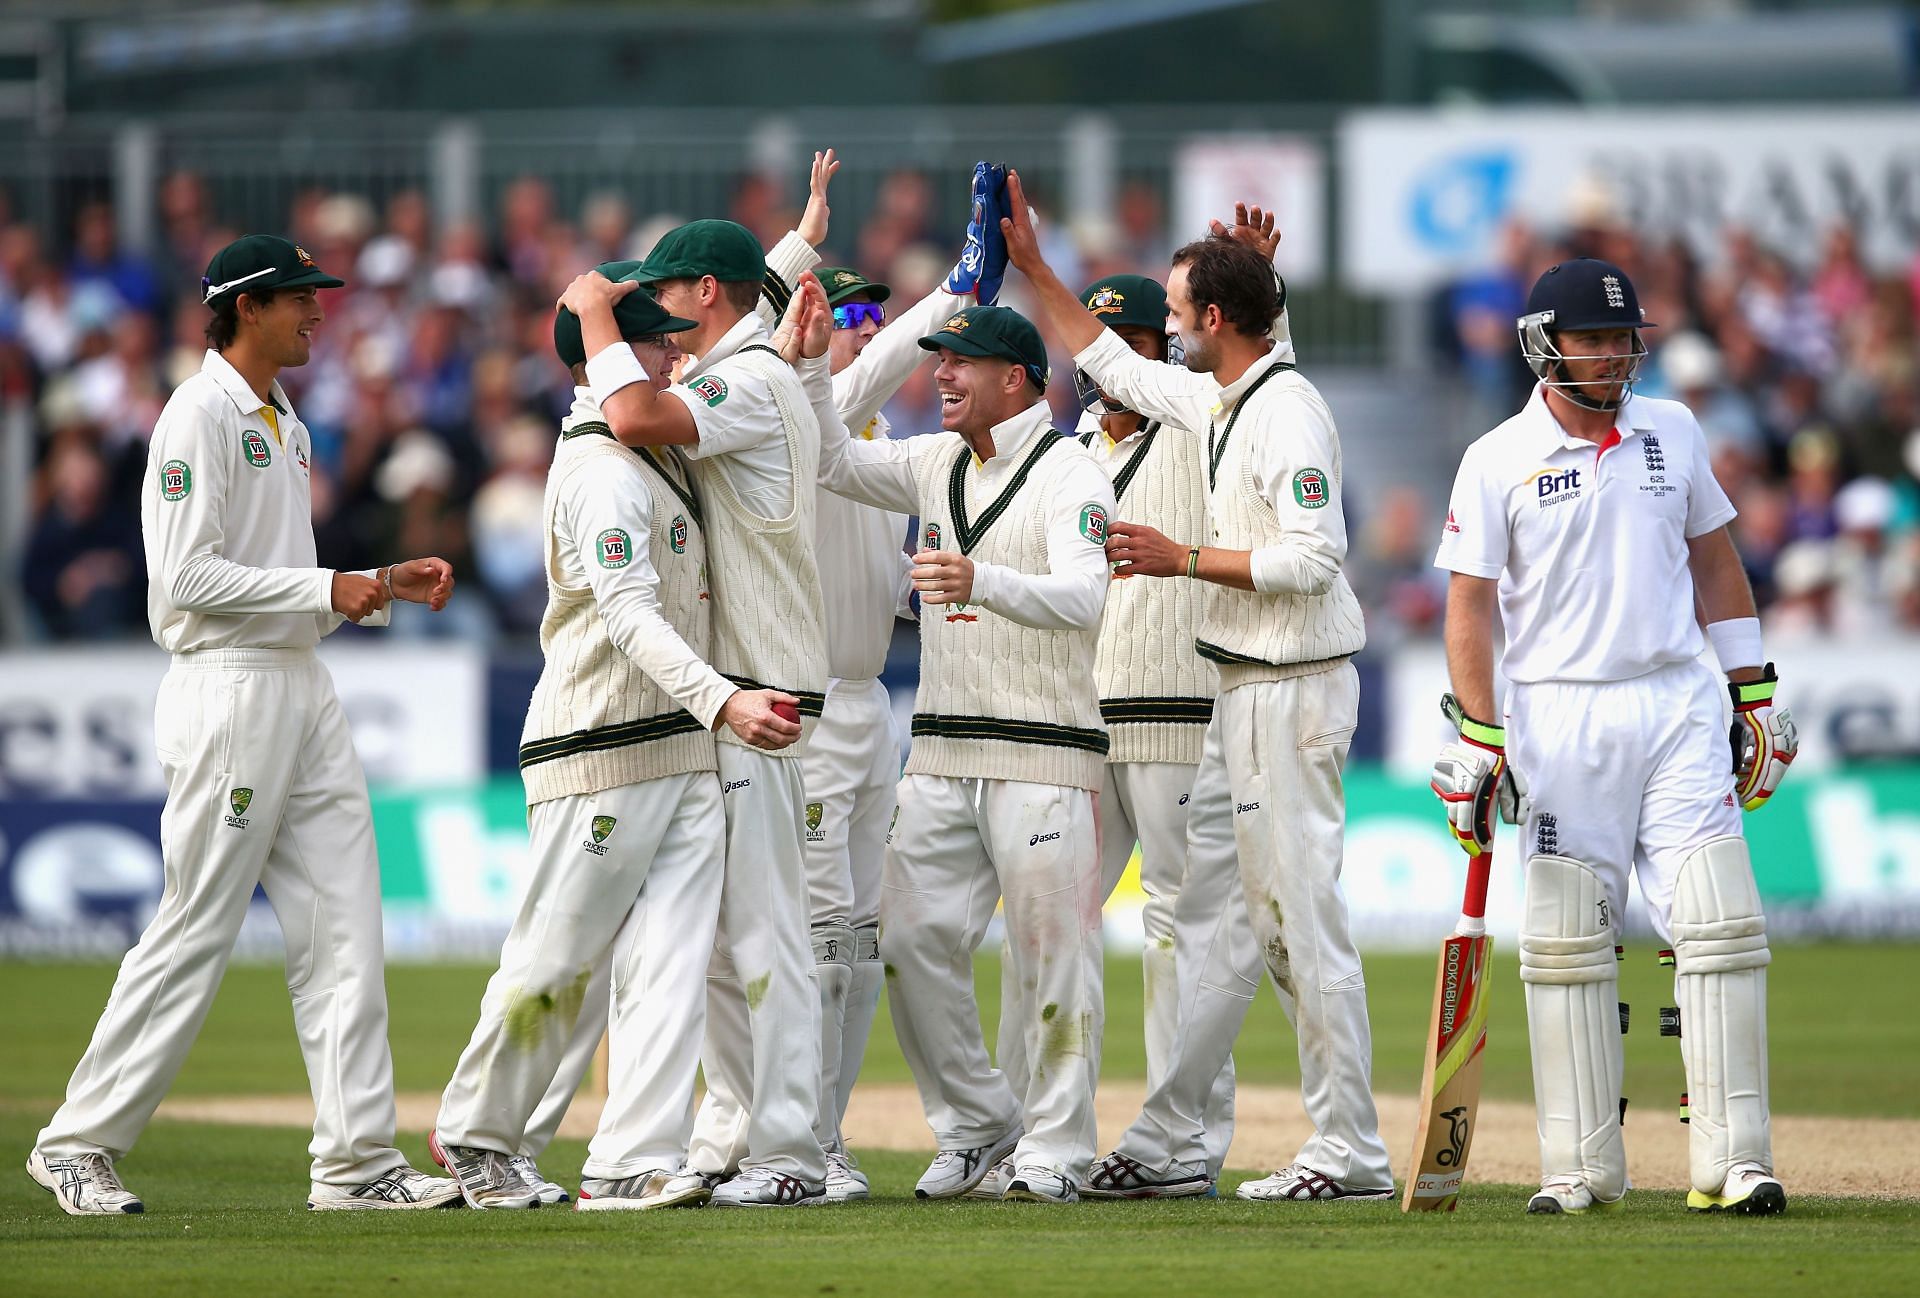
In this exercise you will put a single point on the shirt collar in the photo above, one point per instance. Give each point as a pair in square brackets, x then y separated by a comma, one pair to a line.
[1230, 393]
[585, 411]
[749, 328]
[221, 371]
[1636, 416]
[1012, 437]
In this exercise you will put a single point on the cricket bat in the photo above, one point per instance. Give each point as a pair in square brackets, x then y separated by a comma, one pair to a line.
[1456, 1039]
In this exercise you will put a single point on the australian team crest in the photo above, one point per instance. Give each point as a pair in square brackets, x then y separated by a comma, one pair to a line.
[816, 812]
[239, 800]
[602, 826]
[677, 534]
[1106, 302]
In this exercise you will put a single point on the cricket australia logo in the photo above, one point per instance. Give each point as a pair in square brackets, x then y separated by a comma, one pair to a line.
[1616, 296]
[1106, 302]
[1459, 1129]
[677, 534]
[602, 829]
[239, 800]
[1310, 489]
[176, 480]
[816, 812]
[256, 447]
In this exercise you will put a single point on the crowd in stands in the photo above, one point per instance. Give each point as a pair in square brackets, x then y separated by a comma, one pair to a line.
[433, 392]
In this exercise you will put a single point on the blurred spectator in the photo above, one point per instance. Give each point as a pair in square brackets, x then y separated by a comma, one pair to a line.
[97, 259]
[84, 573]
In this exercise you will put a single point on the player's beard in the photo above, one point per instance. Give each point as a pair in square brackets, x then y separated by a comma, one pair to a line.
[1201, 356]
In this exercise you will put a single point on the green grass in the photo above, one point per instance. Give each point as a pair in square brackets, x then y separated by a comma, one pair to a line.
[227, 1217]
[226, 1220]
[1844, 1038]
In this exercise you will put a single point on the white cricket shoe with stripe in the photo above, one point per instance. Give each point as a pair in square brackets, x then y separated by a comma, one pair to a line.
[953, 1172]
[845, 1181]
[529, 1173]
[1300, 1183]
[1037, 1183]
[401, 1188]
[762, 1187]
[85, 1186]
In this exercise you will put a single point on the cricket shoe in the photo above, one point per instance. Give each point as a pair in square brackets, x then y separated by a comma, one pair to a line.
[644, 1191]
[1567, 1196]
[845, 1181]
[953, 1172]
[994, 1184]
[1750, 1190]
[486, 1177]
[529, 1173]
[1301, 1183]
[84, 1186]
[402, 1187]
[1118, 1177]
[1037, 1183]
[762, 1187]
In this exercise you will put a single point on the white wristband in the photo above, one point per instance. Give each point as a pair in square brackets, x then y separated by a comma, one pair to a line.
[614, 368]
[1736, 643]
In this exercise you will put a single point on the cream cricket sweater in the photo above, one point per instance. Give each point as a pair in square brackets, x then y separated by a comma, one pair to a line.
[1156, 693]
[626, 622]
[768, 628]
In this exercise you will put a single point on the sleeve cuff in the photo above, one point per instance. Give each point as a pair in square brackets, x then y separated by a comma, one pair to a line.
[1719, 519]
[1468, 567]
[614, 368]
[1101, 348]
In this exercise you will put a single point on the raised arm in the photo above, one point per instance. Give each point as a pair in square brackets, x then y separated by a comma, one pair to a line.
[637, 414]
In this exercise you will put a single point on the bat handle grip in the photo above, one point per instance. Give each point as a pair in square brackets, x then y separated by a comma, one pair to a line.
[1478, 870]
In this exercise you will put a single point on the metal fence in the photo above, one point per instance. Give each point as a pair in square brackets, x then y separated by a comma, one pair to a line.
[671, 162]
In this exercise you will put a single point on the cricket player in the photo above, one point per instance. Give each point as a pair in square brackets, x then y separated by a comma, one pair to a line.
[998, 798]
[747, 426]
[1156, 696]
[1593, 520]
[852, 763]
[263, 786]
[1281, 624]
[624, 811]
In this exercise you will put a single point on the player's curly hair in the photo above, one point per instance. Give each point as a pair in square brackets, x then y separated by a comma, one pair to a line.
[224, 324]
[1226, 273]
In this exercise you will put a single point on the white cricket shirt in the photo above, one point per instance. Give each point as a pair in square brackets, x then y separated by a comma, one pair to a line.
[226, 514]
[1589, 542]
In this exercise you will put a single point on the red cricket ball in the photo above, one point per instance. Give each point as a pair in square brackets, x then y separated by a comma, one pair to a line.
[787, 711]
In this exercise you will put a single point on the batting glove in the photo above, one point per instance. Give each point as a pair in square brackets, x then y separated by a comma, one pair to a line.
[1472, 778]
[983, 259]
[1764, 739]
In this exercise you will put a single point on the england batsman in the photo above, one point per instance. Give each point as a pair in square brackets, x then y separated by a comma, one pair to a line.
[1281, 624]
[1593, 521]
[263, 787]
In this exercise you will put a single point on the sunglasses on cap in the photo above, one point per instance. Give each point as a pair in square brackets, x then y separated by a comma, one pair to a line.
[855, 314]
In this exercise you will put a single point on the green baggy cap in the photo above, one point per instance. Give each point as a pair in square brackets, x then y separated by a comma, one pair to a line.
[994, 331]
[261, 261]
[842, 282]
[637, 314]
[1127, 300]
[725, 250]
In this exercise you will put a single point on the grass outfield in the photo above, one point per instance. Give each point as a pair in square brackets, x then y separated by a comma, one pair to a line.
[227, 1218]
[1844, 1038]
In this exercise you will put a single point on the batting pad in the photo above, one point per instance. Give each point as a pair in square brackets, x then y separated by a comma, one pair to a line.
[1720, 983]
[1567, 964]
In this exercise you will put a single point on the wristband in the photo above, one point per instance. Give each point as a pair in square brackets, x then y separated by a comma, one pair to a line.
[1474, 732]
[1193, 562]
[388, 578]
[1748, 695]
[1736, 642]
[615, 367]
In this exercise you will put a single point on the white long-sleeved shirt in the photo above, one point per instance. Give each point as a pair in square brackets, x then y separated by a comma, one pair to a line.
[616, 496]
[226, 514]
[1294, 438]
[888, 474]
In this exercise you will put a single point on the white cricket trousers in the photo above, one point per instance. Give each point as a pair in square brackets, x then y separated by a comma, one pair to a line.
[959, 846]
[850, 771]
[627, 878]
[263, 787]
[762, 1055]
[1281, 747]
[1634, 773]
[1147, 803]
